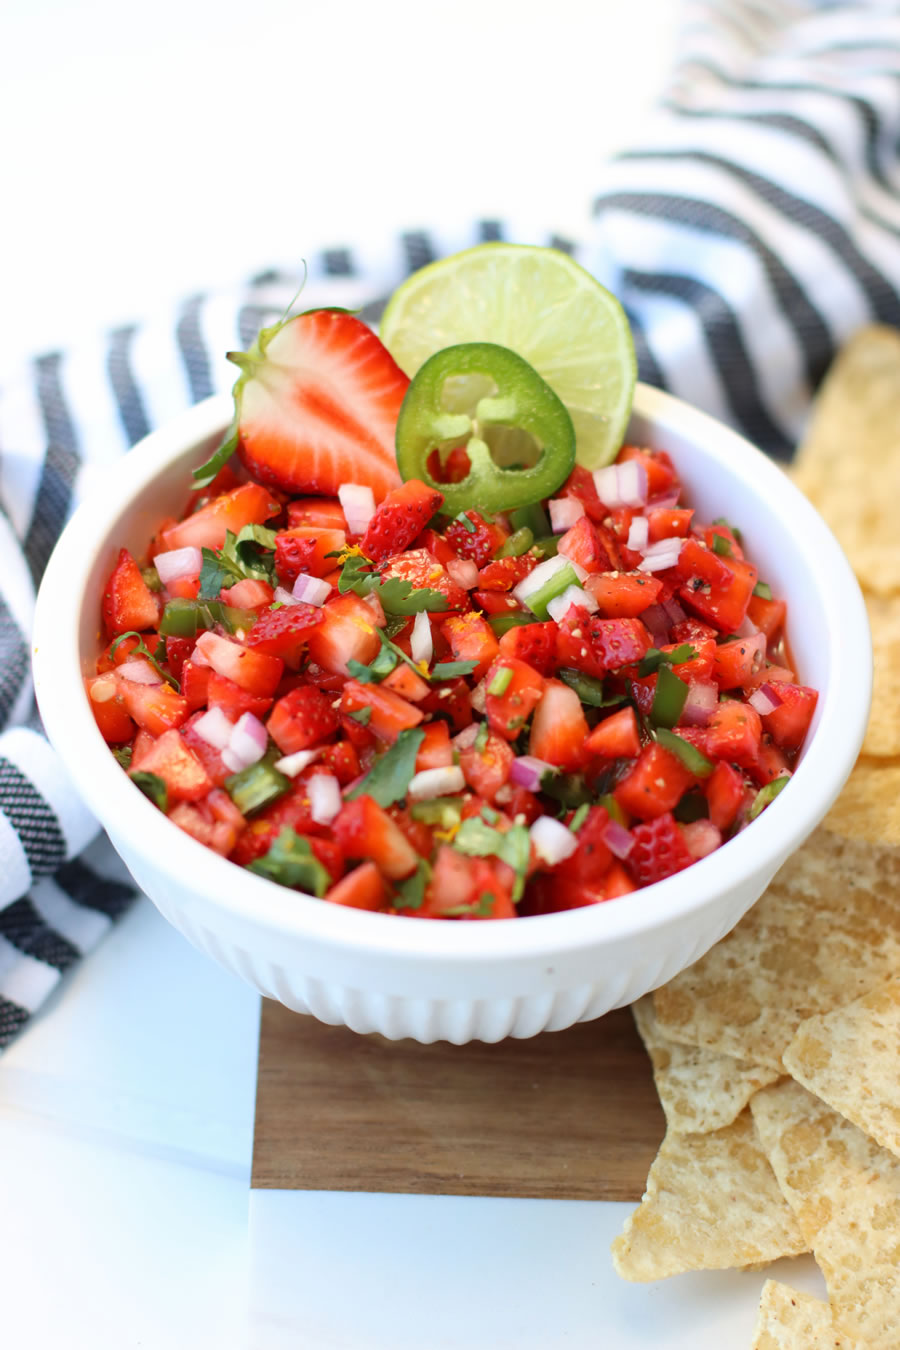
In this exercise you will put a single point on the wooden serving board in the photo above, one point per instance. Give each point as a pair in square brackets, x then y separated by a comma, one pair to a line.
[567, 1115]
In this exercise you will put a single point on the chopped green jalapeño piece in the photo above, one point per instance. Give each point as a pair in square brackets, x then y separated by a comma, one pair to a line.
[669, 698]
[152, 786]
[291, 862]
[256, 787]
[516, 432]
[693, 759]
[767, 794]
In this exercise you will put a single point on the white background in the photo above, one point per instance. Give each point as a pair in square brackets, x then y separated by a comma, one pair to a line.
[157, 149]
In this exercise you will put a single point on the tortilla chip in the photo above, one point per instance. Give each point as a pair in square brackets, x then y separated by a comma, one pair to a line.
[883, 731]
[853, 444]
[699, 1091]
[712, 1203]
[845, 1192]
[790, 1320]
[851, 1059]
[825, 932]
[868, 809]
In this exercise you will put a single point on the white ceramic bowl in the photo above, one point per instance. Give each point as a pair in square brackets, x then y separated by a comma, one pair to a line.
[462, 981]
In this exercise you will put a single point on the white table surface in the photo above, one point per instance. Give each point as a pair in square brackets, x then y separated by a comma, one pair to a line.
[157, 151]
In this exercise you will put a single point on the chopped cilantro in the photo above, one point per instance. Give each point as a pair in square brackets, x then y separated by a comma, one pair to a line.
[478, 839]
[384, 663]
[410, 893]
[480, 908]
[654, 658]
[123, 754]
[153, 787]
[291, 862]
[247, 555]
[445, 670]
[143, 650]
[389, 776]
[397, 596]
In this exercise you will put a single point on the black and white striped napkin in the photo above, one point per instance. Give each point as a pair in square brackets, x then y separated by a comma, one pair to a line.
[752, 230]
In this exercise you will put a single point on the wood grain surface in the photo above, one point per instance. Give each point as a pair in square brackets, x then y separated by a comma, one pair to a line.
[569, 1115]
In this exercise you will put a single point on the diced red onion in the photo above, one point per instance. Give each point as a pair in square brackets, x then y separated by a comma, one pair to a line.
[700, 704]
[702, 838]
[466, 738]
[553, 841]
[564, 511]
[440, 782]
[324, 795]
[618, 840]
[527, 771]
[656, 621]
[247, 743]
[178, 562]
[359, 506]
[293, 764]
[558, 607]
[765, 699]
[660, 556]
[284, 596]
[638, 534]
[673, 609]
[463, 571]
[746, 628]
[665, 501]
[311, 590]
[622, 484]
[421, 643]
[214, 728]
[139, 672]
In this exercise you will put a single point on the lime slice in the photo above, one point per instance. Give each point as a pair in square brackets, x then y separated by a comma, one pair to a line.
[539, 303]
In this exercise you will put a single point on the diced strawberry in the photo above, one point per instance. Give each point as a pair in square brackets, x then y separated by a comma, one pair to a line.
[208, 755]
[283, 632]
[771, 762]
[471, 638]
[450, 699]
[584, 545]
[504, 573]
[195, 684]
[175, 763]
[108, 660]
[580, 484]
[709, 533]
[616, 737]
[329, 854]
[487, 770]
[326, 513]
[524, 804]
[467, 888]
[128, 602]
[534, 643]
[596, 645]
[667, 523]
[404, 681]
[302, 718]
[496, 602]
[733, 733]
[659, 850]
[182, 588]
[346, 632]
[292, 810]
[436, 543]
[422, 570]
[178, 651]
[362, 888]
[724, 793]
[253, 670]
[655, 784]
[696, 667]
[559, 728]
[340, 759]
[364, 830]
[295, 430]
[248, 504]
[623, 595]
[105, 698]
[231, 698]
[716, 588]
[737, 663]
[155, 707]
[212, 822]
[390, 713]
[305, 549]
[767, 615]
[789, 722]
[520, 689]
[691, 630]
[435, 752]
[143, 742]
[403, 514]
[480, 542]
[592, 857]
[248, 594]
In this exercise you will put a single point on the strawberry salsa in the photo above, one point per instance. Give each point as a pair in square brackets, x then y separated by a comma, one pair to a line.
[356, 691]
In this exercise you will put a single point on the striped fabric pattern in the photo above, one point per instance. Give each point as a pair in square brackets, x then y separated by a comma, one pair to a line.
[754, 227]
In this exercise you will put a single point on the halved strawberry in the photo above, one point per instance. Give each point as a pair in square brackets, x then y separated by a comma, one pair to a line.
[316, 405]
[402, 515]
[128, 602]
